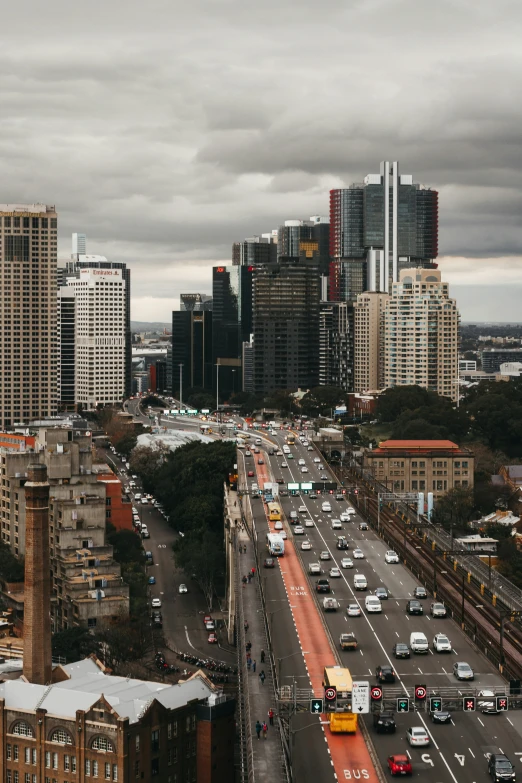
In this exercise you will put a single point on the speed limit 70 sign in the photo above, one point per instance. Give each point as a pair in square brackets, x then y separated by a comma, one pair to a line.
[376, 693]
[330, 694]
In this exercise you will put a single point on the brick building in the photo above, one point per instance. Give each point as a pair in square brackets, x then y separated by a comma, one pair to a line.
[421, 465]
[118, 506]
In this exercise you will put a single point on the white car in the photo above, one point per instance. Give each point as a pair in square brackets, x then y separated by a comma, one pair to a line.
[351, 511]
[283, 535]
[441, 643]
[304, 442]
[309, 448]
[353, 610]
[303, 510]
[278, 526]
[317, 460]
[309, 523]
[345, 517]
[145, 531]
[336, 524]
[306, 545]
[391, 556]
[325, 555]
[156, 603]
[347, 562]
[298, 530]
[358, 554]
[304, 469]
[301, 462]
[284, 464]
[144, 501]
[334, 572]
[183, 589]
[487, 702]
[320, 467]
[418, 736]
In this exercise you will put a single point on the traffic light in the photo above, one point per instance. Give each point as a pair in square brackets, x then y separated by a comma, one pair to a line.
[435, 703]
[502, 703]
[403, 704]
[468, 704]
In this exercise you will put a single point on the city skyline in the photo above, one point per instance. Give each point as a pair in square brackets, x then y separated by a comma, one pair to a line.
[170, 167]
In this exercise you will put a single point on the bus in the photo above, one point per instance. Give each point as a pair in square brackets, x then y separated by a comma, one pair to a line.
[274, 512]
[343, 719]
[290, 439]
[276, 545]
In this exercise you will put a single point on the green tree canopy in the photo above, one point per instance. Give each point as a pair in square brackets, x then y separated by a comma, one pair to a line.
[393, 402]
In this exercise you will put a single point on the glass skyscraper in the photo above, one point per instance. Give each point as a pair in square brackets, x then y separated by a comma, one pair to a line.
[232, 323]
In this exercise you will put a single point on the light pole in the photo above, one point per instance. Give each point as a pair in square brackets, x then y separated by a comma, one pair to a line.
[180, 385]
[284, 658]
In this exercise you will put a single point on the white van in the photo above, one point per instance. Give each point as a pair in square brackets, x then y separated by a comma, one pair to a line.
[359, 582]
[418, 642]
[372, 604]
[326, 507]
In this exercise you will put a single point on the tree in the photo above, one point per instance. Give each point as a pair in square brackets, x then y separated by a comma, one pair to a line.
[455, 508]
[127, 545]
[146, 462]
[201, 554]
[127, 640]
[394, 401]
[12, 569]
[322, 399]
[416, 428]
[73, 644]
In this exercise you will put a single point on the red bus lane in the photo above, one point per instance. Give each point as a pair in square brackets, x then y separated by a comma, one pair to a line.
[349, 754]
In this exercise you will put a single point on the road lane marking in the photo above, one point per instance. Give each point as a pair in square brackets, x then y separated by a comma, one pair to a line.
[480, 721]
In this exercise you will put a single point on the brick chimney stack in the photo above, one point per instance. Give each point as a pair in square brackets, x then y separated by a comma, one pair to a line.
[37, 591]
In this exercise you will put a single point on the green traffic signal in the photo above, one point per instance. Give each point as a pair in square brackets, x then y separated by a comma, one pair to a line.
[403, 705]
[435, 704]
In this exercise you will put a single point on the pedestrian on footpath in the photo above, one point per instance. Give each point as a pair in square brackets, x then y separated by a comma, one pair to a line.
[248, 646]
[254, 664]
[246, 625]
[253, 571]
[262, 676]
[249, 663]
[244, 580]
[249, 578]
[271, 716]
[258, 729]
[265, 730]
[262, 656]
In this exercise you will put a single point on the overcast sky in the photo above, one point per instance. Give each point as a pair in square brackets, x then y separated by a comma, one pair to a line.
[167, 130]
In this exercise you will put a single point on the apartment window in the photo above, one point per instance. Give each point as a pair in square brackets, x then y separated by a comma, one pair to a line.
[414, 464]
[61, 736]
[457, 463]
[47, 759]
[154, 767]
[115, 772]
[464, 482]
[95, 767]
[8, 752]
[137, 743]
[87, 767]
[15, 753]
[422, 485]
[33, 755]
[9, 776]
[23, 729]
[27, 754]
[155, 741]
[55, 760]
[465, 464]
[136, 769]
[67, 763]
[414, 484]
[27, 777]
[107, 770]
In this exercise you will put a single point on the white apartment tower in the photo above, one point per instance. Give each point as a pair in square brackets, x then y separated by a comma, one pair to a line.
[99, 336]
[28, 260]
[420, 331]
[368, 340]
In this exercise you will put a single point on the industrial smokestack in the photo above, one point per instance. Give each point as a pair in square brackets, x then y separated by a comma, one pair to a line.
[37, 590]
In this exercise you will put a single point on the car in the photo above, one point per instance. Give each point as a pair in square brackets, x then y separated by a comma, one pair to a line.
[438, 610]
[414, 607]
[250, 473]
[400, 650]
[342, 543]
[500, 768]
[420, 593]
[156, 603]
[145, 531]
[260, 461]
[298, 530]
[347, 641]
[302, 510]
[309, 523]
[344, 517]
[144, 501]
[269, 562]
[137, 496]
[212, 638]
[384, 722]
[280, 480]
[304, 469]
[441, 716]
[330, 604]
[334, 572]
[248, 453]
[152, 580]
[487, 702]
[339, 497]
[210, 625]
[283, 535]
[314, 568]
[325, 555]
[399, 764]
[358, 554]
[463, 671]
[289, 456]
[302, 462]
[317, 460]
[278, 525]
[283, 493]
[381, 593]
[306, 545]
[182, 589]
[256, 451]
[347, 562]
[353, 610]
[322, 586]
[391, 557]
[363, 526]
[320, 467]
[284, 464]
[385, 673]
[309, 448]
[441, 643]
[418, 737]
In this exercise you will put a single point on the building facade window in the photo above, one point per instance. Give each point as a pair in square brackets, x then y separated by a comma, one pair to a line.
[103, 744]
[22, 729]
[61, 736]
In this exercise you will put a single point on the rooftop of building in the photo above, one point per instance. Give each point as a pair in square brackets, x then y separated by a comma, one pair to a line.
[513, 471]
[87, 684]
[33, 208]
[416, 445]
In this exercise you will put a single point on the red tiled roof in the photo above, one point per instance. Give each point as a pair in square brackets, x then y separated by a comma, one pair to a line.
[431, 445]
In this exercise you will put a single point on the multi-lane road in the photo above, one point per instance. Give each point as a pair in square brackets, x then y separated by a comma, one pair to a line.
[459, 750]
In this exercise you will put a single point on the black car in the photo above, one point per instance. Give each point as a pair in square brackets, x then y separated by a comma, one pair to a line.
[384, 722]
[342, 543]
[500, 767]
[322, 586]
[414, 607]
[283, 492]
[420, 592]
[441, 716]
[381, 593]
[280, 480]
[269, 562]
[385, 673]
[363, 526]
[401, 650]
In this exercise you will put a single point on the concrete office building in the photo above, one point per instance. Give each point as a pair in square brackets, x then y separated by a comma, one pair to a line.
[255, 250]
[368, 341]
[306, 239]
[66, 324]
[336, 345]
[189, 302]
[285, 305]
[247, 366]
[492, 358]
[28, 250]
[100, 336]
[420, 332]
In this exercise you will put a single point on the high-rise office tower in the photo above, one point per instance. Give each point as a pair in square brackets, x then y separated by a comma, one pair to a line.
[195, 302]
[79, 244]
[389, 213]
[100, 336]
[28, 249]
[336, 345]
[72, 269]
[231, 323]
[192, 349]
[368, 341]
[420, 331]
[285, 304]
[66, 326]
[255, 250]
[305, 239]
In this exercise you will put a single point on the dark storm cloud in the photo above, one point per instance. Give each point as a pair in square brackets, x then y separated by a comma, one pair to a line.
[167, 130]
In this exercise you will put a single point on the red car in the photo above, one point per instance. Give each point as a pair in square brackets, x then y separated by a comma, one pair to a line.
[212, 638]
[399, 765]
[250, 473]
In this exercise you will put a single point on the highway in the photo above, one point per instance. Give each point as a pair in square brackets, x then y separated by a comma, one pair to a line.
[458, 750]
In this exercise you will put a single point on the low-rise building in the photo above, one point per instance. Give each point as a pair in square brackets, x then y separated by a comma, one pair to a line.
[512, 475]
[118, 503]
[476, 543]
[421, 465]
